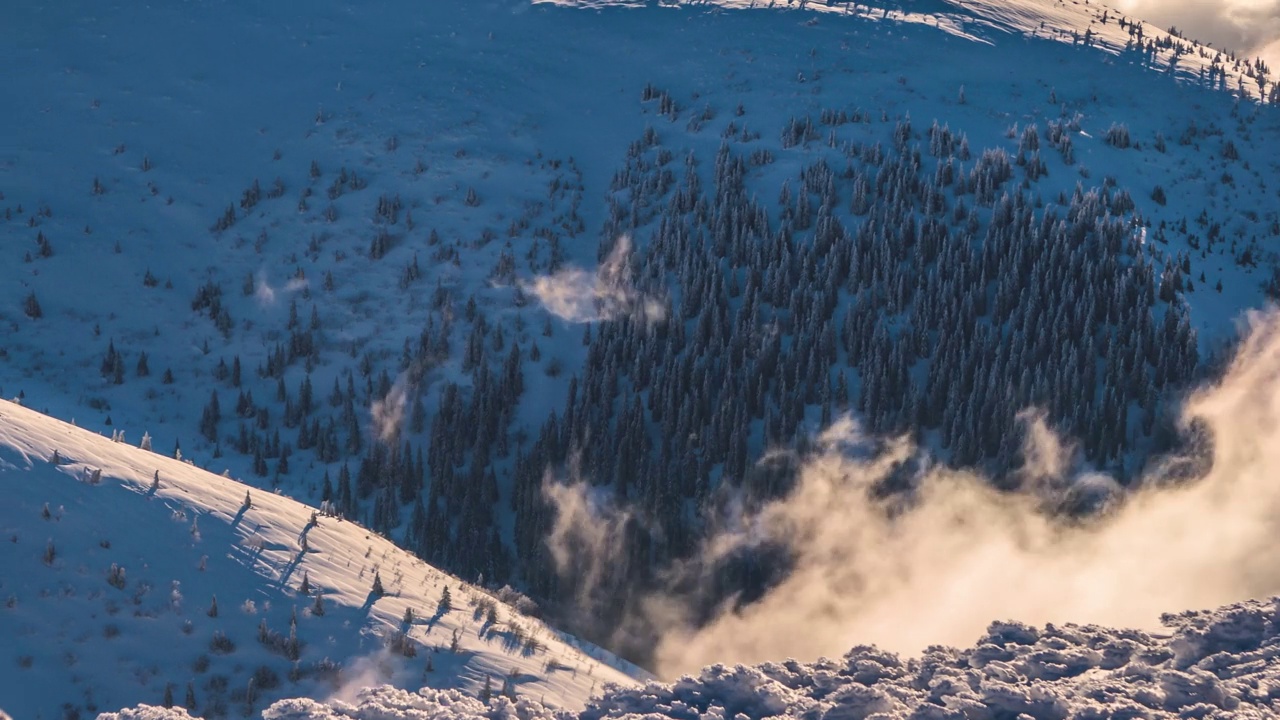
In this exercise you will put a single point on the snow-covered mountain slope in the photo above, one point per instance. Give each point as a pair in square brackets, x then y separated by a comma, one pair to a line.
[354, 228]
[1092, 24]
[108, 577]
[1221, 664]
[138, 133]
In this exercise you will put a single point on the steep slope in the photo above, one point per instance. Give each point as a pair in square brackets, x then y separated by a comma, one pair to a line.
[109, 579]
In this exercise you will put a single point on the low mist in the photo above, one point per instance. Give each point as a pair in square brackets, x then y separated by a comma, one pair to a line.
[938, 564]
[577, 295]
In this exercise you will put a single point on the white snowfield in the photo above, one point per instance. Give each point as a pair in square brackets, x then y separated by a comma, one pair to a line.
[74, 638]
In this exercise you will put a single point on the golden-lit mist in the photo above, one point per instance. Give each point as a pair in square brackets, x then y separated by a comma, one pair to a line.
[964, 554]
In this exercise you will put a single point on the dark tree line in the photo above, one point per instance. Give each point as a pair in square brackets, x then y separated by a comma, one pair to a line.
[927, 296]
[927, 289]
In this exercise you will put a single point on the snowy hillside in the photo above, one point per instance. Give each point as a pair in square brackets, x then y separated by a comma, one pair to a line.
[472, 272]
[1089, 24]
[1213, 664]
[118, 589]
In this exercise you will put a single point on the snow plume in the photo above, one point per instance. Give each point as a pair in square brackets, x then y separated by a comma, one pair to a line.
[580, 296]
[266, 294]
[588, 532]
[388, 413]
[363, 673]
[1251, 28]
[868, 567]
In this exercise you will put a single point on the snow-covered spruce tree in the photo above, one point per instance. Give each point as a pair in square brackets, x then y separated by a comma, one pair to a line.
[1118, 136]
[210, 417]
[31, 307]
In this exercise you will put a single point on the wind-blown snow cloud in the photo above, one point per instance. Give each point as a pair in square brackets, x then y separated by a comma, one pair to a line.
[586, 520]
[387, 414]
[1249, 27]
[266, 294]
[580, 296]
[962, 554]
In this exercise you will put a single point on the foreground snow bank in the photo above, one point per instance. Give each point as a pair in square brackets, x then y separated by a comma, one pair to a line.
[1222, 663]
[1212, 664]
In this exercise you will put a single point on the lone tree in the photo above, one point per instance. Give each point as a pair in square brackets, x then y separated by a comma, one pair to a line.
[213, 607]
[318, 608]
[305, 588]
[446, 602]
[31, 306]
[377, 584]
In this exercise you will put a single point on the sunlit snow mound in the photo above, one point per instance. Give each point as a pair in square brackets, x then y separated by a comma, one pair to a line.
[1223, 663]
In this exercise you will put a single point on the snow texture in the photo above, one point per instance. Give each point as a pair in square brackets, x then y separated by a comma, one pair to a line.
[108, 577]
[1216, 664]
